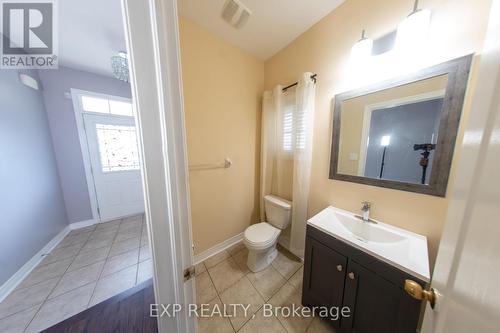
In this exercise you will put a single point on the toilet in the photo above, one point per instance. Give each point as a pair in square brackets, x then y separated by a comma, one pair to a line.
[261, 238]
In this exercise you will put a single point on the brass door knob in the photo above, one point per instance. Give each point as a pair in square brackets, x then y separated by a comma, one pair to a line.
[416, 291]
[351, 276]
[339, 268]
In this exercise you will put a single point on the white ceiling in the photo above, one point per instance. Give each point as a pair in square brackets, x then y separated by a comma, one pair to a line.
[272, 25]
[90, 32]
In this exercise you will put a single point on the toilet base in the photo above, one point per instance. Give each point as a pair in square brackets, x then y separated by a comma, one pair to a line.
[259, 260]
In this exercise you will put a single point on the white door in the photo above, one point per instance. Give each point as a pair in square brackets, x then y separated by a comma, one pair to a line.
[467, 270]
[115, 161]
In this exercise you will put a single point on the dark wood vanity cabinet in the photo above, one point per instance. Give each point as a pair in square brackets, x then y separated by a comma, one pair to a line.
[339, 275]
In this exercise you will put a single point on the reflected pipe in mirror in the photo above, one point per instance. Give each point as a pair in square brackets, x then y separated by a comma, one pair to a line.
[401, 133]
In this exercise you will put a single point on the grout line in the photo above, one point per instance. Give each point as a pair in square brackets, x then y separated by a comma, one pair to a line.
[105, 261]
[245, 275]
[55, 286]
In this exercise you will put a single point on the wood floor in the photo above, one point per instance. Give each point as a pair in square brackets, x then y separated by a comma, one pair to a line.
[125, 312]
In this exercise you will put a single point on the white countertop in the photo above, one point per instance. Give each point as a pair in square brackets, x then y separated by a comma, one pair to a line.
[397, 247]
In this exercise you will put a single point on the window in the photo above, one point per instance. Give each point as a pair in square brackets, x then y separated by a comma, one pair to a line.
[105, 105]
[117, 147]
[293, 124]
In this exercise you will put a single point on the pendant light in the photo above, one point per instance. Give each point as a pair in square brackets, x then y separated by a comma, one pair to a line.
[412, 32]
[362, 50]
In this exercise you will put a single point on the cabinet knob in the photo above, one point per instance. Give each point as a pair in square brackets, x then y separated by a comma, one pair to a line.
[351, 275]
[339, 268]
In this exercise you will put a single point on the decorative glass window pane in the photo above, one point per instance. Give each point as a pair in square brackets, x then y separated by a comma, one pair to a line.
[94, 104]
[287, 130]
[117, 147]
[120, 108]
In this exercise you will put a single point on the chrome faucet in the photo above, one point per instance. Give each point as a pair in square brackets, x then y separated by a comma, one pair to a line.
[365, 211]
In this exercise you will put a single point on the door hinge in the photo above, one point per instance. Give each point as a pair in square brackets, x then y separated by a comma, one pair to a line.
[189, 273]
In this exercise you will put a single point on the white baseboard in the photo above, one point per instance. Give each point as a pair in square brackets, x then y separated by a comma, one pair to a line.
[218, 248]
[82, 224]
[21, 274]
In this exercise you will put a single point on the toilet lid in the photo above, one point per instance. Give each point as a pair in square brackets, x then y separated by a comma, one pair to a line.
[261, 233]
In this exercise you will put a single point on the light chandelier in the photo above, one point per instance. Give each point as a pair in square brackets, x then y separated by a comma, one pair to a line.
[119, 66]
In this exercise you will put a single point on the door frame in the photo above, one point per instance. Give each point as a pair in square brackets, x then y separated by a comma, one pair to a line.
[76, 95]
[152, 37]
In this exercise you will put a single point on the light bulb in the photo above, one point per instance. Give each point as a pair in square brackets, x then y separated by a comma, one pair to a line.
[413, 31]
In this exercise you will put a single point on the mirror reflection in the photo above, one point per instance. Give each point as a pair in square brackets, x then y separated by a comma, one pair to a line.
[392, 134]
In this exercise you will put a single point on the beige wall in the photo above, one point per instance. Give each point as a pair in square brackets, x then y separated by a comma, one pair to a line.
[458, 28]
[222, 89]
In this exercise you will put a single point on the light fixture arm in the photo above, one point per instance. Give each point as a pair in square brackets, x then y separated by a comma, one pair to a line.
[415, 7]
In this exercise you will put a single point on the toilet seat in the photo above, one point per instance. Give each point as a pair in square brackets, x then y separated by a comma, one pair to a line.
[261, 235]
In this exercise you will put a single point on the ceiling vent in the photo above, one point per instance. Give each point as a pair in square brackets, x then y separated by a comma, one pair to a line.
[235, 13]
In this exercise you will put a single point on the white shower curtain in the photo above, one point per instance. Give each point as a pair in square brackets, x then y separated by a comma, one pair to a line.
[302, 156]
[275, 146]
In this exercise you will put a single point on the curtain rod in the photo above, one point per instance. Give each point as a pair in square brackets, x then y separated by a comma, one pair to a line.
[313, 77]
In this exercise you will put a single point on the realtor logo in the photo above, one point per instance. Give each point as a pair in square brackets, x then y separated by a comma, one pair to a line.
[28, 34]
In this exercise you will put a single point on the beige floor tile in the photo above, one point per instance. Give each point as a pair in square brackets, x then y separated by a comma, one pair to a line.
[261, 324]
[46, 272]
[145, 253]
[225, 274]
[89, 257]
[119, 262]
[131, 225]
[296, 279]
[286, 265]
[114, 284]
[242, 293]
[61, 253]
[200, 268]
[216, 323]
[215, 259]
[205, 290]
[16, 323]
[320, 325]
[102, 233]
[81, 230]
[26, 298]
[144, 271]
[234, 249]
[144, 237]
[74, 239]
[288, 296]
[128, 233]
[98, 242]
[110, 224]
[77, 278]
[131, 219]
[241, 259]
[124, 246]
[267, 282]
[61, 307]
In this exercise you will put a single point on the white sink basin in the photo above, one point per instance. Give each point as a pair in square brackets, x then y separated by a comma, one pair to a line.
[398, 247]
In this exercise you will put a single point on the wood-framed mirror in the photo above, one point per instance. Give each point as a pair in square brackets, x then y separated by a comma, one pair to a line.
[401, 133]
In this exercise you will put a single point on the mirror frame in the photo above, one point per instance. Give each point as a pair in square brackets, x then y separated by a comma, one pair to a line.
[458, 74]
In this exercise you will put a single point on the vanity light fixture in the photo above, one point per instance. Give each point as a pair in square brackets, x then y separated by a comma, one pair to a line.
[362, 50]
[412, 32]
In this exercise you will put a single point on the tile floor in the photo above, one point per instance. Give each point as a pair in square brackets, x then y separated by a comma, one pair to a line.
[225, 279]
[88, 266]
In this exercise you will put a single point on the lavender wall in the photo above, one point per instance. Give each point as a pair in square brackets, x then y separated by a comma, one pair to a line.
[65, 134]
[31, 201]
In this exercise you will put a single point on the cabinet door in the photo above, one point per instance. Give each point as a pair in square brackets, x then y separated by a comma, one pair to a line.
[324, 276]
[377, 305]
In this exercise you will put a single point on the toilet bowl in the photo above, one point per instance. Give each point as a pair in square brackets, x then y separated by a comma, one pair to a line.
[261, 238]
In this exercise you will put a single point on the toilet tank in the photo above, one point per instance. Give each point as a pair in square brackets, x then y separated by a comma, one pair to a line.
[278, 211]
